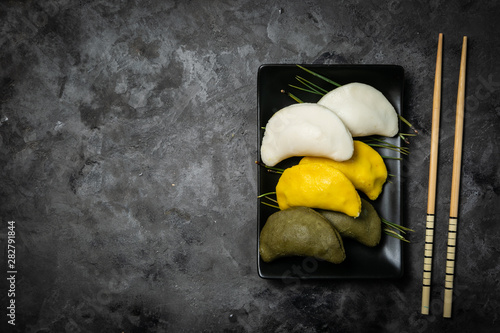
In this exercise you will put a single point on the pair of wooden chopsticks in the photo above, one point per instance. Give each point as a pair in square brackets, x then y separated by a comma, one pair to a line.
[455, 184]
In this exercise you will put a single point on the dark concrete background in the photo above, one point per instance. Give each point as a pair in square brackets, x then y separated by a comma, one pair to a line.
[128, 140]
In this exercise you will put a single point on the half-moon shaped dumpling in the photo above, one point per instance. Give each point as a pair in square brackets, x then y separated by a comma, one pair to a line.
[300, 231]
[317, 185]
[363, 109]
[305, 129]
[366, 228]
[365, 169]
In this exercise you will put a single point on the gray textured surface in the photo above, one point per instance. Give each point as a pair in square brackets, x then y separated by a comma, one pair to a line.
[128, 136]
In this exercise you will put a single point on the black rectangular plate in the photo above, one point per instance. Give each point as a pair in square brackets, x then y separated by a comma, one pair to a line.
[382, 261]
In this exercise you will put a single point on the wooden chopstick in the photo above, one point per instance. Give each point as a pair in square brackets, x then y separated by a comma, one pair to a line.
[455, 187]
[431, 197]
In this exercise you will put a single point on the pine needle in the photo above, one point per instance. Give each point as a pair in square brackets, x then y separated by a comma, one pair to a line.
[399, 149]
[266, 194]
[268, 204]
[298, 100]
[271, 199]
[394, 234]
[306, 90]
[408, 123]
[319, 75]
[391, 158]
[384, 144]
[311, 85]
[392, 230]
[268, 167]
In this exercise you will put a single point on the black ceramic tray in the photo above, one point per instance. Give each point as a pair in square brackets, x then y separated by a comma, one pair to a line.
[383, 261]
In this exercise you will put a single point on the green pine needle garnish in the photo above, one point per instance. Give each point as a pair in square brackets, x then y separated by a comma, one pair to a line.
[320, 76]
[268, 204]
[306, 90]
[266, 194]
[292, 96]
[312, 86]
[396, 230]
[278, 170]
